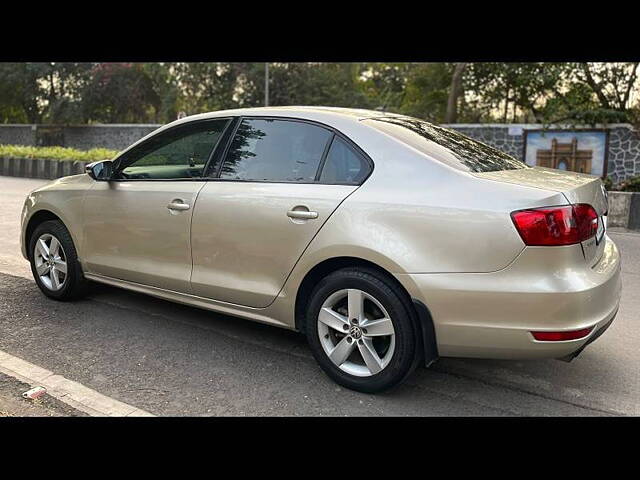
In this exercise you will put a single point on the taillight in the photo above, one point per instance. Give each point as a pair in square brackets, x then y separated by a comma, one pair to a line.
[556, 225]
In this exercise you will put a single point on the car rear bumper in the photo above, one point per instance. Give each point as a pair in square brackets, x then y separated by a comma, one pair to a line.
[492, 315]
[592, 338]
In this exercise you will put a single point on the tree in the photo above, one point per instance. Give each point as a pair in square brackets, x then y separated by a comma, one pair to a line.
[514, 91]
[164, 82]
[42, 92]
[65, 92]
[119, 92]
[63, 86]
[427, 91]
[21, 92]
[330, 84]
[208, 86]
[385, 84]
[612, 83]
[554, 92]
[455, 91]
[595, 93]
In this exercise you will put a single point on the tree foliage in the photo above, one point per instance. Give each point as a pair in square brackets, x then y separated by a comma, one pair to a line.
[554, 92]
[119, 92]
[581, 93]
[37, 92]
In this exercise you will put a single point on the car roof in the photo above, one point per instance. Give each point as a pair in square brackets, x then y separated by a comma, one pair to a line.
[319, 113]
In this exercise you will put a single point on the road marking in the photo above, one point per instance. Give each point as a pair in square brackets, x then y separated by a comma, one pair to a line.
[72, 393]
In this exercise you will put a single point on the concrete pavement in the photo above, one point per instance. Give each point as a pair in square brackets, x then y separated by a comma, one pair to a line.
[170, 359]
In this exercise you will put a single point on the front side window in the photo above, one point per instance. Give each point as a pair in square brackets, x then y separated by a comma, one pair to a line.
[181, 152]
[275, 151]
[464, 153]
[344, 164]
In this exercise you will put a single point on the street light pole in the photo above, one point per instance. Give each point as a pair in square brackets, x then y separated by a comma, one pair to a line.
[266, 84]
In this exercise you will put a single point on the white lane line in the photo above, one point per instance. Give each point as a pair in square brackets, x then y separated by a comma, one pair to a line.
[72, 393]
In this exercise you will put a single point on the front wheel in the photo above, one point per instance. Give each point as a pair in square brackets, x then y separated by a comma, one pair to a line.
[360, 330]
[54, 262]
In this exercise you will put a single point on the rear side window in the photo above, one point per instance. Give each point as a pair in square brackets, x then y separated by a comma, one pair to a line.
[343, 164]
[276, 151]
[468, 154]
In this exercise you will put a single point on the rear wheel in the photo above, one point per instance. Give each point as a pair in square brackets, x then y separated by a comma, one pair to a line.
[54, 262]
[360, 330]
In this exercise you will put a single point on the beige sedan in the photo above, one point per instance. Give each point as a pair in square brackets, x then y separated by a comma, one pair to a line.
[387, 241]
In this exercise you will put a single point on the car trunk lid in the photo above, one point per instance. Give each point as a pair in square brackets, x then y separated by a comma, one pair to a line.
[576, 187]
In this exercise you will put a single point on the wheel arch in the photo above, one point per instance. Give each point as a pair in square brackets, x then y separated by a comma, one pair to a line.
[36, 219]
[419, 312]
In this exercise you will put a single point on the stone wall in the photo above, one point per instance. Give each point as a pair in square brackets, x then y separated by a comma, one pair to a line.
[624, 143]
[18, 134]
[83, 137]
[115, 137]
[624, 153]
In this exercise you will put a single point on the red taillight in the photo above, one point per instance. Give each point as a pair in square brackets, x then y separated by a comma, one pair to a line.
[560, 336]
[556, 225]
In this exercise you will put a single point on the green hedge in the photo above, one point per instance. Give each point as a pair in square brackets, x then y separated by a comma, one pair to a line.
[629, 185]
[57, 153]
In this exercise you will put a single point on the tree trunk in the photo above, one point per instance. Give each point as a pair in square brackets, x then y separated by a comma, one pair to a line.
[454, 93]
[630, 85]
[596, 87]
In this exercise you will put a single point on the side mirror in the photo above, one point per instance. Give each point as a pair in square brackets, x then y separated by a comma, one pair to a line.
[100, 171]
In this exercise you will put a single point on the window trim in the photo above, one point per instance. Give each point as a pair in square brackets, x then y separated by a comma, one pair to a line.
[118, 160]
[316, 180]
[323, 159]
[225, 150]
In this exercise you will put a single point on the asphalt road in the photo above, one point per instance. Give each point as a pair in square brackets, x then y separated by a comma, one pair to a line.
[170, 359]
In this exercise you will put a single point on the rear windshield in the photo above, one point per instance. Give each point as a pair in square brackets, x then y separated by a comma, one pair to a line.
[466, 154]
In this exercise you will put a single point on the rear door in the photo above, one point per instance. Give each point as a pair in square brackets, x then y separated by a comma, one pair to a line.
[270, 193]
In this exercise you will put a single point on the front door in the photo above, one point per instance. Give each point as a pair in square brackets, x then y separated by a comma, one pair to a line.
[137, 226]
[280, 181]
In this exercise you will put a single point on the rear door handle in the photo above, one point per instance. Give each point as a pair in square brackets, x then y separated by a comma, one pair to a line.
[178, 205]
[302, 214]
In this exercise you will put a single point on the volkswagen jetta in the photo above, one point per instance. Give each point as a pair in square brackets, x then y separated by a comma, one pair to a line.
[386, 240]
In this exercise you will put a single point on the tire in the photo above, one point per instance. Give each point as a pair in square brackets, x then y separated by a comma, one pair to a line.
[56, 284]
[382, 300]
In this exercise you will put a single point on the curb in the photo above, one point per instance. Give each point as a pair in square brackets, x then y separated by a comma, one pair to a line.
[67, 391]
[624, 210]
[634, 212]
[40, 167]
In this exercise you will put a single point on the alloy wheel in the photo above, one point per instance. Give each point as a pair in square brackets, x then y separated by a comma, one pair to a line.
[50, 262]
[356, 332]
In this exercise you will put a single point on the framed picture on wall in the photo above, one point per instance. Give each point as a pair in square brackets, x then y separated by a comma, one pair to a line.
[583, 151]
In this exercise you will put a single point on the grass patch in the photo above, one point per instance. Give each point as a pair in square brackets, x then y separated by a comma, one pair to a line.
[57, 153]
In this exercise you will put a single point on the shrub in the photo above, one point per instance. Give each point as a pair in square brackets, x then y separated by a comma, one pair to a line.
[608, 183]
[57, 153]
[630, 185]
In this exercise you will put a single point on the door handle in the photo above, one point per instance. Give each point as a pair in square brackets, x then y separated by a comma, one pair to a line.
[302, 214]
[178, 205]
